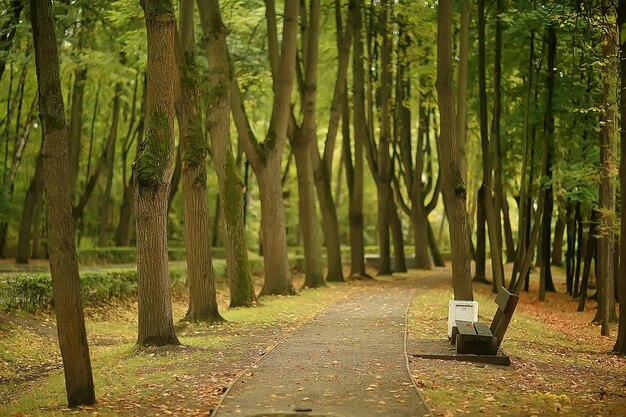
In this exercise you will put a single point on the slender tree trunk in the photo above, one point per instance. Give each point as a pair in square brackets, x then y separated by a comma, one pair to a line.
[557, 244]
[570, 226]
[153, 172]
[452, 184]
[63, 261]
[490, 210]
[103, 234]
[481, 243]
[76, 125]
[383, 177]
[545, 277]
[266, 157]
[579, 248]
[508, 232]
[399, 257]
[607, 192]
[302, 144]
[434, 249]
[620, 345]
[590, 254]
[355, 208]
[124, 232]
[323, 165]
[194, 150]
[33, 194]
[461, 135]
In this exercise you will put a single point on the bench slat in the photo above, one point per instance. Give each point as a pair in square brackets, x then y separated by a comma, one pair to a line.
[466, 330]
[483, 332]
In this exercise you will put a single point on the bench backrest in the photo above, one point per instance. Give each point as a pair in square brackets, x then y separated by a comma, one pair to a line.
[506, 302]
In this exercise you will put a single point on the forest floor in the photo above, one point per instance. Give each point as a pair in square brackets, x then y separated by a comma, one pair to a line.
[560, 363]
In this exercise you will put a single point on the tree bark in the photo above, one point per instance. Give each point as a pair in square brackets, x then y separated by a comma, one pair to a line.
[76, 125]
[488, 201]
[103, 233]
[303, 143]
[452, 182]
[606, 201]
[194, 151]
[33, 194]
[153, 173]
[620, 345]
[545, 277]
[63, 260]
[265, 157]
[557, 244]
[322, 165]
[355, 175]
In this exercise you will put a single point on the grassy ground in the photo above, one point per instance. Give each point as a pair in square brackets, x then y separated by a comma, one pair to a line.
[560, 363]
[185, 380]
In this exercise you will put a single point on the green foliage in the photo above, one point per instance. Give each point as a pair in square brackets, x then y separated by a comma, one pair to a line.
[33, 292]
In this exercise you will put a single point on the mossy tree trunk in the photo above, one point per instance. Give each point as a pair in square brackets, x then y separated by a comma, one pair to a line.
[266, 157]
[230, 183]
[194, 151]
[63, 260]
[452, 182]
[153, 172]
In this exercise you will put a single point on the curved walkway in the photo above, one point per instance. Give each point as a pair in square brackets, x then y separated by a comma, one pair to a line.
[348, 361]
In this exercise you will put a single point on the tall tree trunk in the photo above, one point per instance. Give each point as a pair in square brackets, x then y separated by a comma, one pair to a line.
[607, 192]
[590, 254]
[383, 176]
[399, 257]
[103, 233]
[33, 194]
[481, 241]
[302, 144]
[123, 235]
[153, 172]
[557, 244]
[620, 345]
[63, 260]
[488, 201]
[545, 277]
[76, 125]
[266, 157]
[461, 135]
[355, 176]
[452, 182]
[570, 226]
[194, 151]
[579, 248]
[323, 165]
[508, 232]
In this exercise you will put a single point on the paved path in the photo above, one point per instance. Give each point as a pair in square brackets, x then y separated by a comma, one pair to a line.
[349, 361]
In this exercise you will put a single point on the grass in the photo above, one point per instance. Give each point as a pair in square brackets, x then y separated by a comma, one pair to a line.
[183, 380]
[560, 363]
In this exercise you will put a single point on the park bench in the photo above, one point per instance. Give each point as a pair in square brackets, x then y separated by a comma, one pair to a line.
[481, 338]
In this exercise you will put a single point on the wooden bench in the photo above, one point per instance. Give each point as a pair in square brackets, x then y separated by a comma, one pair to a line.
[483, 339]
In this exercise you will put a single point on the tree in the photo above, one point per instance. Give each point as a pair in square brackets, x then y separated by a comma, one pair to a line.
[193, 145]
[303, 141]
[153, 171]
[230, 184]
[620, 345]
[487, 200]
[265, 157]
[63, 261]
[452, 181]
